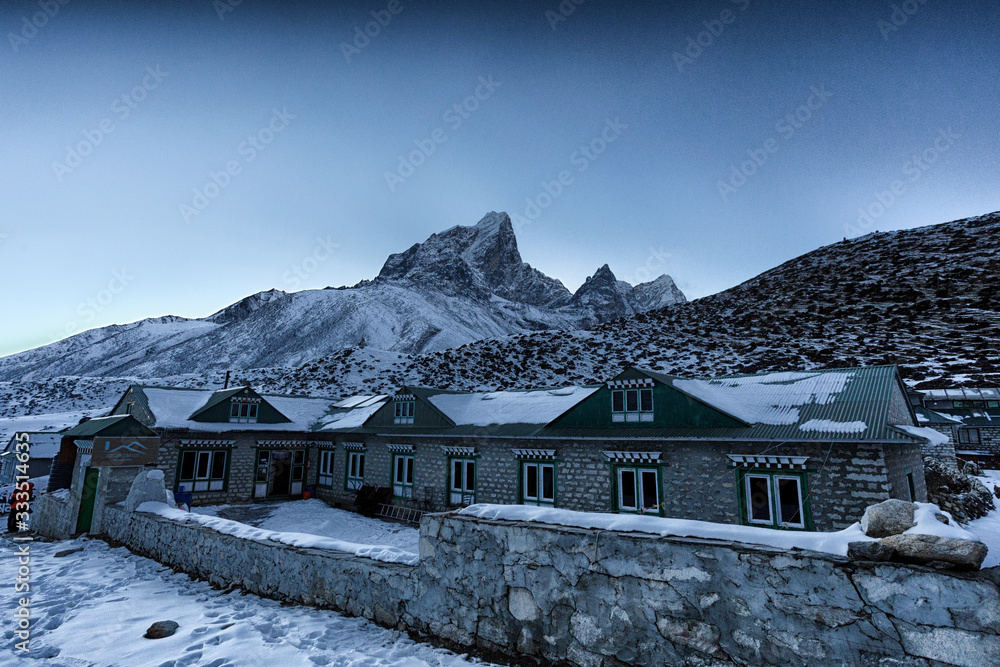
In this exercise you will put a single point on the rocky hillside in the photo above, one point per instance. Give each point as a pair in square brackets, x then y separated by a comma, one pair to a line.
[927, 299]
[460, 286]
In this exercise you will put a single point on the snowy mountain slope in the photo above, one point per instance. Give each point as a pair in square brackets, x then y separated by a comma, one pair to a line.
[927, 299]
[462, 285]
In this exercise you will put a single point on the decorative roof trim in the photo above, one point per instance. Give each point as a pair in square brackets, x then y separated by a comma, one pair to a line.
[355, 446]
[534, 453]
[408, 449]
[85, 446]
[759, 461]
[404, 397]
[208, 443]
[458, 451]
[245, 399]
[629, 384]
[633, 457]
[295, 443]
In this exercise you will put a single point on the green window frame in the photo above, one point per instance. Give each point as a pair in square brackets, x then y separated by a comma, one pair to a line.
[635, 488]
[354, 469]
[536, 482]
[202, 470]
[462, 480]
[632, 405]
[402, 475]
[771, 498]
[324, 475]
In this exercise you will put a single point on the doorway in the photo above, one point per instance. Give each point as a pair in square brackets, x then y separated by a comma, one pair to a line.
[281, 473]
[85, 518]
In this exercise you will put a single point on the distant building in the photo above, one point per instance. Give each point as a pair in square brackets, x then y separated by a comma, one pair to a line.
[972, 420]
[43, 447]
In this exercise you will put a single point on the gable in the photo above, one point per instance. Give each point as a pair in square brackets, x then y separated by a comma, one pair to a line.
[217, 409]
[671, 408]
[425, 415]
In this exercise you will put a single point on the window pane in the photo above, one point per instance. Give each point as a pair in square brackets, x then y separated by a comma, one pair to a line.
[253, 412]
[203, 464]
[974, 435]
[235, 410]
[261, 473]
[398, 410]
[219, 465]
[361, 465]
[300, 457]
[789, 509]
[264, 458]
[456, 475]
[354, 466]
[297, 472]
[650, 499]
[531, 481]
[646, 396]
[470, 475]
[759, 499]
[400, 470]
[618, 401]
[409, 409]
[409, 470]
[626, 488]
[187, 465]
[632, 400]
[548, 483]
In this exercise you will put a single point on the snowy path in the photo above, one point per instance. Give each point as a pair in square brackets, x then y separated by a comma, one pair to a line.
[988, 527]
[92, 608]
[315, 517]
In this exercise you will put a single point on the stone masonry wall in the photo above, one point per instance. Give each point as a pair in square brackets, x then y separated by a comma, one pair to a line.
[603, 599]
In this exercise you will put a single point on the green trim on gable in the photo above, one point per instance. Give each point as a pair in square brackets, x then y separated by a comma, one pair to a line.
[216, 409]
[425, 414]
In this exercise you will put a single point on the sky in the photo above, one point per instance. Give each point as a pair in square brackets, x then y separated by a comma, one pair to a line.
[172, 160]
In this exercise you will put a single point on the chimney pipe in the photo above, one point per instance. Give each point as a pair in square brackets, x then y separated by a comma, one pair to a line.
[226, 385]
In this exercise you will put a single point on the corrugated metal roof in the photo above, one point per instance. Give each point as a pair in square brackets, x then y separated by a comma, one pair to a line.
[94, 426]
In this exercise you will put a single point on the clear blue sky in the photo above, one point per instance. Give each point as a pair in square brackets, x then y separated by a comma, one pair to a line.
[114, 114]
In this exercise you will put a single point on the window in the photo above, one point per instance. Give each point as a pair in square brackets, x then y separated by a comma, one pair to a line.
[128, 407]
[911, 486]
[968, 436]
[632, 405]
[462, 481]
[325, 468]
[404, 412]
[202, 470]
[243, 412]
[355, 470]
[638, 489]
[298, 465]
[402, 476]
[993, 404]
[773, 499]
[538, 483]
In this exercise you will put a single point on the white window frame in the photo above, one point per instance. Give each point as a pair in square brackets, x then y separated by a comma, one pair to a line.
[638, 487]
[779, 520]
[637, 415]
[772, 485]
[403, 412]
[237, 407]
[207, 481]
[355, 463]
[402, 484]
[465, 492]
[538, 474]
[325, 475]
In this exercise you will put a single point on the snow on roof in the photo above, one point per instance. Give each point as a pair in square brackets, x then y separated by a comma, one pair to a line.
[42, 445]
[360, 401]
[830, 426]
[771, 398]
[354, 417]
[535, 406]
[933, 437]
[172, 407]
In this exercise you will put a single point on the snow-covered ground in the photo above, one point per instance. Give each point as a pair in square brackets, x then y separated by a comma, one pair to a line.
[315, 517]
[93, 607]
[988, 527]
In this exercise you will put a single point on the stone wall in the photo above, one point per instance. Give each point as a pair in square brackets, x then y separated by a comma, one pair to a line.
[945, 453]
[602, 599]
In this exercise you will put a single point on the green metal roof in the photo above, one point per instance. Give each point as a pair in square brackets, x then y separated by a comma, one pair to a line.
[117, 424]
